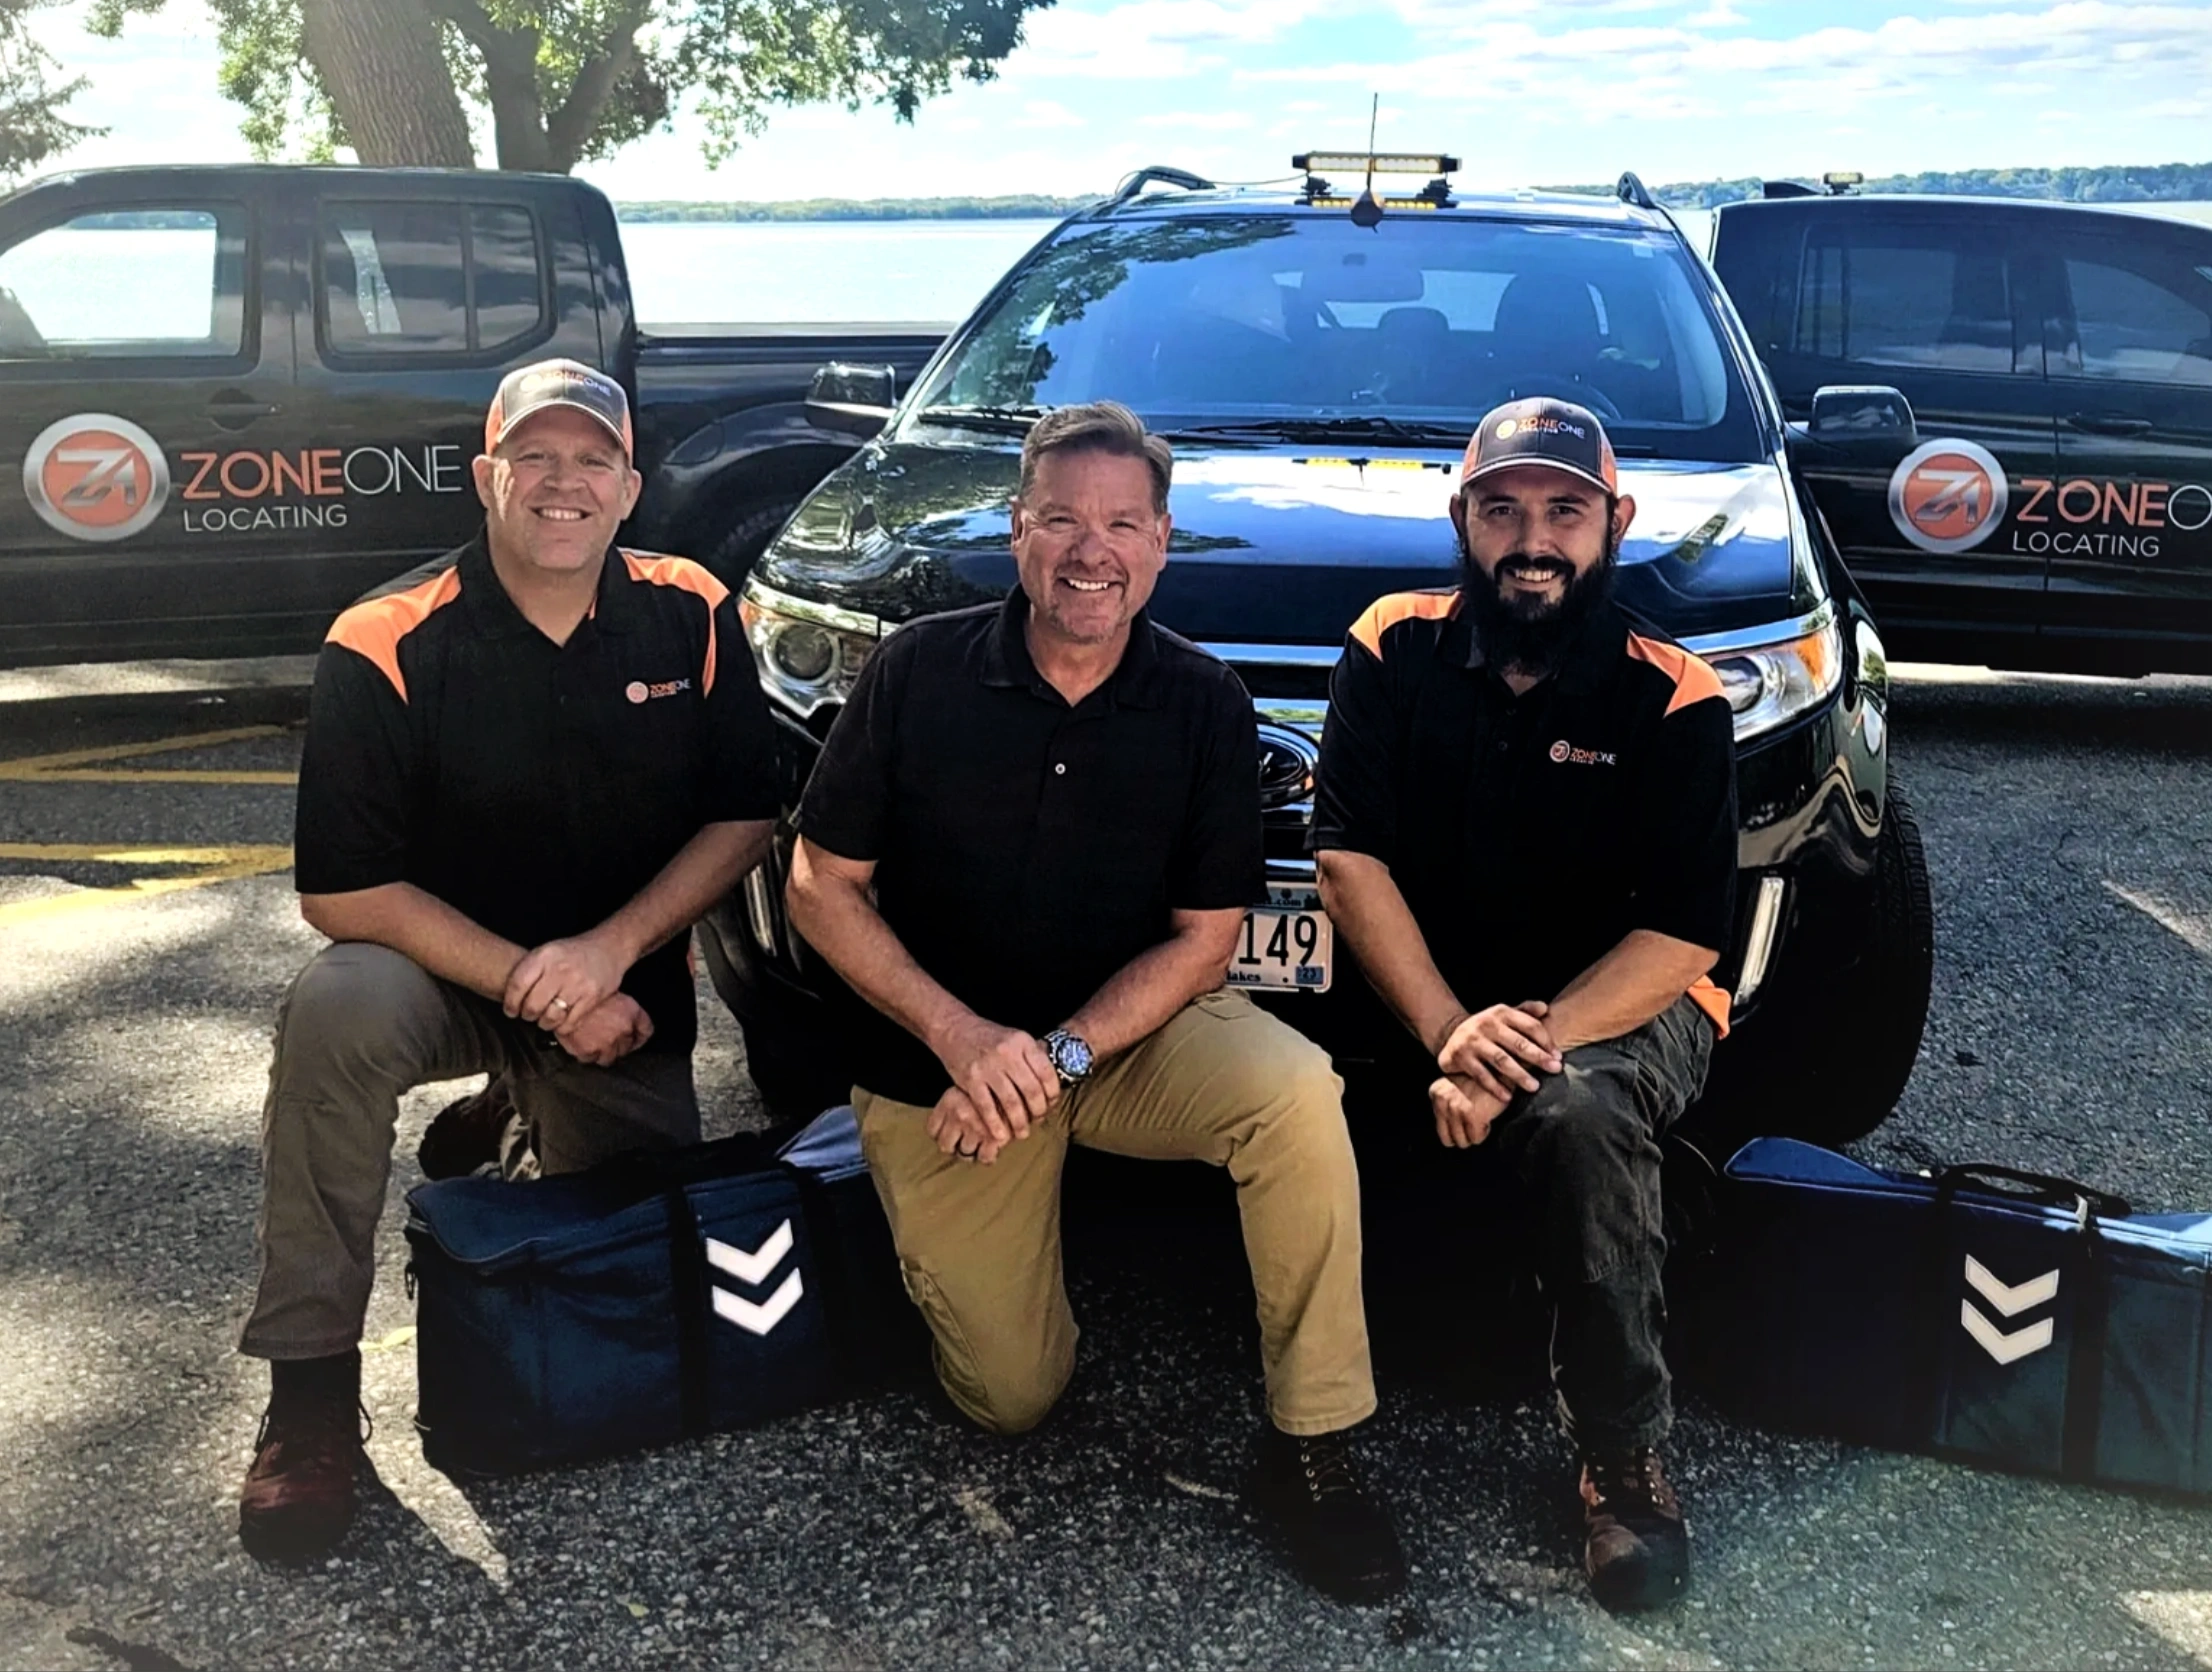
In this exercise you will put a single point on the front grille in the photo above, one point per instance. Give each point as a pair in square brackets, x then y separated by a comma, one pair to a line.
[1273, 679]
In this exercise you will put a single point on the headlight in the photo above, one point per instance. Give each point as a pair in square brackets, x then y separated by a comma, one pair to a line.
[808, 654]
[1769, 684]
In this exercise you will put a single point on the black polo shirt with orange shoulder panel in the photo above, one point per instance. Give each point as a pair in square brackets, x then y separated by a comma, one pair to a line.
[534, 787]
[1530, 834]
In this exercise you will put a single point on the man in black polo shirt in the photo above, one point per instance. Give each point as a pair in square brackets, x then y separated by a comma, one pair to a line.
[1029, 844]
[525, 777]
[1526, 826]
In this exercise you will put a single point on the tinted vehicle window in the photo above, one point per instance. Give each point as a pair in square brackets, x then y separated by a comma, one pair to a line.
[1429, 319]
[1901, 296]
[427, 278]
[2141, 316]
[127, 285]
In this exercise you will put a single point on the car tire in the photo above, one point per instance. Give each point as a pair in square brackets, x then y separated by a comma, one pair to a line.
[790, 1061]
[1883, 1009]
[1873, 1012]
[730, 559]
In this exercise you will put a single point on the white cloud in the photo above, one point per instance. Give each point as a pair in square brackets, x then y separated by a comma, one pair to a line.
[1046, 114]
[1198, 121]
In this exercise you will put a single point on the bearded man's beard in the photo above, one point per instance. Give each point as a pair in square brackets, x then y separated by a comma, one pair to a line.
[1527, 635]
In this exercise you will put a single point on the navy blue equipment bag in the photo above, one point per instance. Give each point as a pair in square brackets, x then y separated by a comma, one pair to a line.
[654, 1298]
[1994, 1316]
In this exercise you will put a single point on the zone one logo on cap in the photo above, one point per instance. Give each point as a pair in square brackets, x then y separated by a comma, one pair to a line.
[1948, 496]
[95, 476]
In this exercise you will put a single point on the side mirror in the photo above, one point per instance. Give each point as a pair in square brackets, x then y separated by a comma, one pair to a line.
[855, 400]
[1863, 418]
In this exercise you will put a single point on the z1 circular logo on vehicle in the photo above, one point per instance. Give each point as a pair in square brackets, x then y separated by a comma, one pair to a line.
[1947, 496]
[96, 477]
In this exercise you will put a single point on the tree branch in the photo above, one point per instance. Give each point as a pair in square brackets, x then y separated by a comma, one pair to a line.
[568, 129]
[471, 19]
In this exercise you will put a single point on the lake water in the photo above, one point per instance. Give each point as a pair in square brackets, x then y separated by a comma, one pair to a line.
[836, 271]
[76, 284]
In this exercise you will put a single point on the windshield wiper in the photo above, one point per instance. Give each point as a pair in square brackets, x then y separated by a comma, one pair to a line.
[1362, 427]
[1013, 420]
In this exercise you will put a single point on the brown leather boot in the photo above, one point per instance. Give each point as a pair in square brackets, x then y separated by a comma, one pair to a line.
[1637, 1549]
[299, 1494]
[474, 1134]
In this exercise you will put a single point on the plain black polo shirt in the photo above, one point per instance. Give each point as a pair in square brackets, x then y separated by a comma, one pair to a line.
[1025, 851]
[1530, 834]
[534, 787]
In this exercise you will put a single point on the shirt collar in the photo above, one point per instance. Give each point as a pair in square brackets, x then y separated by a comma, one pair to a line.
[492, 614]
[1595, 650]
[1134, 683]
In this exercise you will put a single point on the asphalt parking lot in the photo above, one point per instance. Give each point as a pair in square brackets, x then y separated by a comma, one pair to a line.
[147, 931]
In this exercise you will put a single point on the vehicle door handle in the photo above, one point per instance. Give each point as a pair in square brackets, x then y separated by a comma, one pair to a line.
[2107, 423]
[234, 410]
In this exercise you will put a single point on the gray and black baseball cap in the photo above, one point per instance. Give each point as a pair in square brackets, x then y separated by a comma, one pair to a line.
[1542, 431]
[570, 383]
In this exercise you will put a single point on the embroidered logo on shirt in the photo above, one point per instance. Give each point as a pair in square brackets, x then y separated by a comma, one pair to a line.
[638, 691]
[1566, 754]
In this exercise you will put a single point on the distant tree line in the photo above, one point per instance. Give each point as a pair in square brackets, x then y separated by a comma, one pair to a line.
[861, 209]
[2163, 183]
[2160, 183]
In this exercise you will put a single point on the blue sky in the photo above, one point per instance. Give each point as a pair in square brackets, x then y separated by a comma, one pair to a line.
[1525, 91]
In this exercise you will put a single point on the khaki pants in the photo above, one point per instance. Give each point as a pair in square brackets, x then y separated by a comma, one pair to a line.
[1223, 1082]
[362, 1025]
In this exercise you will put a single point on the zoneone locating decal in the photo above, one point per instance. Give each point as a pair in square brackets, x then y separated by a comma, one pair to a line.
[95, 476]
[753, 1268]
[1948, 495]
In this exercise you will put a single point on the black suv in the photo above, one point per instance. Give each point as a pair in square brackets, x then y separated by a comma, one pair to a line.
[2047, 500]
[1319, 378]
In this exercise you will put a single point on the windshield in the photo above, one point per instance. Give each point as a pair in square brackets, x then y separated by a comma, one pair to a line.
[1428, 321]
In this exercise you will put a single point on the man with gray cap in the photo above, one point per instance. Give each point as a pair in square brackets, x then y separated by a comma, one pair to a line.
[526, 774]
[1526, 829]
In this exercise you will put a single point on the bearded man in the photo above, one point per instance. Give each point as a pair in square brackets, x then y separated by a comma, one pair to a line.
[1525, 825]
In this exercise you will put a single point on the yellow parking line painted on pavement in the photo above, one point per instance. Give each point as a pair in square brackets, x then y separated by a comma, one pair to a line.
[208, 865]
[82, 766]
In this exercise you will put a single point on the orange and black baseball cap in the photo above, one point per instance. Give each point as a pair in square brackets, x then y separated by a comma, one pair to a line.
[570, 383]
[1542, 431]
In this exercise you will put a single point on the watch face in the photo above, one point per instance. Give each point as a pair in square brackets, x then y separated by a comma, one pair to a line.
[1070, 1055]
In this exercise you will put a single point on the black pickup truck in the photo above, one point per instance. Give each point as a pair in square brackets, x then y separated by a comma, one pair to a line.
[2044, 499]
[1319, 377]
[241, 396]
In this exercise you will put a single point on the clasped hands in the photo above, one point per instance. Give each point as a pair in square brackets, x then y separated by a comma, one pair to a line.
[1003, 1084]
[573, 989]
[1488, 1057]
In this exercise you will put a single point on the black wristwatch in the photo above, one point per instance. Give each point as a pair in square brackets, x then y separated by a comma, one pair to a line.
[1071, 1056]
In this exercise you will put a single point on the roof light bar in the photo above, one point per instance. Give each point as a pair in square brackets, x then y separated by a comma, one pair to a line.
[1362, 162]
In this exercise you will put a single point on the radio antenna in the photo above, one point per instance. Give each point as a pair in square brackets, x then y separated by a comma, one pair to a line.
[1367, 213]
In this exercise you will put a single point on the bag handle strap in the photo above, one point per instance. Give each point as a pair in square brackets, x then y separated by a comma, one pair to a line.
[687, 1268]
[2047, 1188]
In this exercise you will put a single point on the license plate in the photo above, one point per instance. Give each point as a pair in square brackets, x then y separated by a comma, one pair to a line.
[1284, 946]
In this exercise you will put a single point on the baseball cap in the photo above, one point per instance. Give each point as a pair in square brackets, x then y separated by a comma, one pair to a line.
[1542, 431]
[570, 383]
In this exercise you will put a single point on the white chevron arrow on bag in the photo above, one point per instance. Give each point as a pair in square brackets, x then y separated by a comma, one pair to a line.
[766, 1315]
[1998, 1345]
[2008, 1300]
[751, 1267]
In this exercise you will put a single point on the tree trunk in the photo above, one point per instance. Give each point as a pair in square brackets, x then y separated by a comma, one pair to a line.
[518, 114]
[387, 77]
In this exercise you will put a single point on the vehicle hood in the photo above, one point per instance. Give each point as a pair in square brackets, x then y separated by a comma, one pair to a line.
[1279, 544]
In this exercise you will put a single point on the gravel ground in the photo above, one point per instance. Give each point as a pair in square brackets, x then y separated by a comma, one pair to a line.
[2071, 842]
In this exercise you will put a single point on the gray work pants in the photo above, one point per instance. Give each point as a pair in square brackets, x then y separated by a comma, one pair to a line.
[361, 1026]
